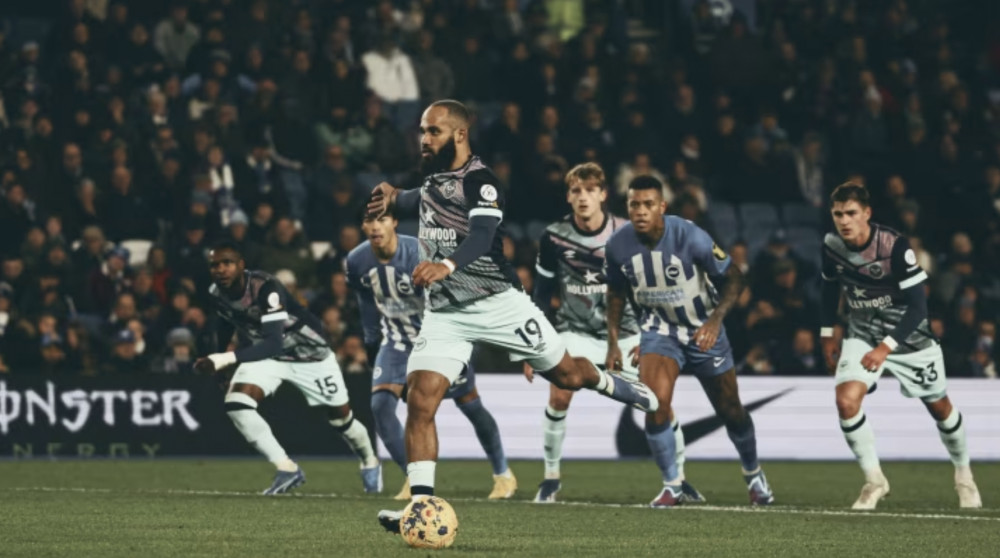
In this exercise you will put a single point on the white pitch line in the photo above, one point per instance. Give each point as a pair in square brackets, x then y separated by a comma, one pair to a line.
[683, 509]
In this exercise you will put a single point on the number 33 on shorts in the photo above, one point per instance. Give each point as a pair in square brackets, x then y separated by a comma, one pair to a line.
[920, 373]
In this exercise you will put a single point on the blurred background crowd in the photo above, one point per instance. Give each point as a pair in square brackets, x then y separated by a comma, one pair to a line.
[133, 134]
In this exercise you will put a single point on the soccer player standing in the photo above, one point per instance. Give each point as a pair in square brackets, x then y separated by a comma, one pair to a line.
[887, 329]
[380, 271]
[277, 341]
[674, 272]
[473, 294]
[570, 266]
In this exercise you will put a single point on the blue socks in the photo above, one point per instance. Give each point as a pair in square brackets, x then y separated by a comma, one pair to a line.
[745, 439]
[387, 425]
[664, 448]
[487, 432]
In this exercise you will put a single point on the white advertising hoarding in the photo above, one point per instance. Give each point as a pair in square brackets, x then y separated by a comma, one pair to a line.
[795, 418]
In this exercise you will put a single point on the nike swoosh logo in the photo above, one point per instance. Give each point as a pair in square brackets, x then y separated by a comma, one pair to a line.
[630, 438]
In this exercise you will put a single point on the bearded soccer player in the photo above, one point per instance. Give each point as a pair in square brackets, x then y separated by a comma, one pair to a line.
[887, 330]
[570, 266]
[380, 271]
[473, 293]
[674, 273]
[277, 341]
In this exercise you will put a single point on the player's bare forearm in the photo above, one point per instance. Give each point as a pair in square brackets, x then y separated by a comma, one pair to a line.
[735, 281]
[615, 307]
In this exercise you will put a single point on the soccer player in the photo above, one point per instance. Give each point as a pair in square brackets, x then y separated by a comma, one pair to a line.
[380, 272]
[674, 271]
[570, 264]
[277, 341]
[473, 293]
[887, 329]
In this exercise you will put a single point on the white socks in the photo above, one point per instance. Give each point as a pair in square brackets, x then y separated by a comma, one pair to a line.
[952, 433]
[554, 432]
[421, 477]
[242, 410]
[679, 445]
[356, 436]
[861, 439]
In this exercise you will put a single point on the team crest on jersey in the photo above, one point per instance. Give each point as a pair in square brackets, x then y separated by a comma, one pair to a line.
[718, 252]
[449, 189]
[419, 344]
[674, 271]
[875, 270]
[404, 285]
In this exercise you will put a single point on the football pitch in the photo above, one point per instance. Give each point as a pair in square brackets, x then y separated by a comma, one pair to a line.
[211, 508]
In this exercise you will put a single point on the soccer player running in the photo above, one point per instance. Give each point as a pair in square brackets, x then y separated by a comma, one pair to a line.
[887, 329]
[570, 264]
[674, 271]
[473, 294]
[277, 341]
[380, 271]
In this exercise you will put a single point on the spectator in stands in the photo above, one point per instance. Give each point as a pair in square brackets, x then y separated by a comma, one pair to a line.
[287, 248]
[175, 37]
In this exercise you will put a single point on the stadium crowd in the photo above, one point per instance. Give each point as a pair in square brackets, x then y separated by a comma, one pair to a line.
[134, 134]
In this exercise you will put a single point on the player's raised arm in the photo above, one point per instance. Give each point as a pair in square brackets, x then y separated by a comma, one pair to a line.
[386, 198]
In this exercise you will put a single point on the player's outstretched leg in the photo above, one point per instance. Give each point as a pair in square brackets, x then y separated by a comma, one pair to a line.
[723, 392]
[426, 390]
[952, 431]
[504, 482]
[356, 436]
[554, 432]
[861, 439]
[241, 406]
[575, 373]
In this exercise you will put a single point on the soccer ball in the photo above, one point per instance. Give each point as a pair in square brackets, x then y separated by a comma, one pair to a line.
[429, 523]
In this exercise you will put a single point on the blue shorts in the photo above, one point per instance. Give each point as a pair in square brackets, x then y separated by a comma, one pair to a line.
[704, 364]
[390, 368]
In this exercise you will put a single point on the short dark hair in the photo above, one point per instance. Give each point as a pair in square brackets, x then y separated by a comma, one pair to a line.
[850, 191]
[645, 182]
[228, 245]
[455, 109]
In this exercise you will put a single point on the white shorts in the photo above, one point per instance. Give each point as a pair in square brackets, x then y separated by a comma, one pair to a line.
[320, 382]
[509, 320]
[596, 350]
[920, 374]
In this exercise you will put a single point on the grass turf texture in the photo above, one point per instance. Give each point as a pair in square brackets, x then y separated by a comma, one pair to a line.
[210, 508]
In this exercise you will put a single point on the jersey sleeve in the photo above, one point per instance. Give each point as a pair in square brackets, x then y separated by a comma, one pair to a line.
[613, 273]
[273, 302]
[704, 252]
[483, 194]
[905, 269]
[547, 261]
[828, 269]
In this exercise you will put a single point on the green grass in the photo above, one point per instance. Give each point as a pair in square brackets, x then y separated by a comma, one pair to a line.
[208, 508]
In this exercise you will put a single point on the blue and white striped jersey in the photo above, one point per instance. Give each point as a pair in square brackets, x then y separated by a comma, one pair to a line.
[672, 283]
[386, 292]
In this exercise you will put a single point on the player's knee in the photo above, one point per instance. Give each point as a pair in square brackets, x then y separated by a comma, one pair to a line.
[341, 413]
[559, 399]
[733, 414]
[848, 406]
[565, 377]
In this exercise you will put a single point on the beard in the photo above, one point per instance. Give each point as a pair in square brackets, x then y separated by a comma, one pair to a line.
[440, 161]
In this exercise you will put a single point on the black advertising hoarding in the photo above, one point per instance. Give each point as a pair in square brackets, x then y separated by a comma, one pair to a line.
[153, 416]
